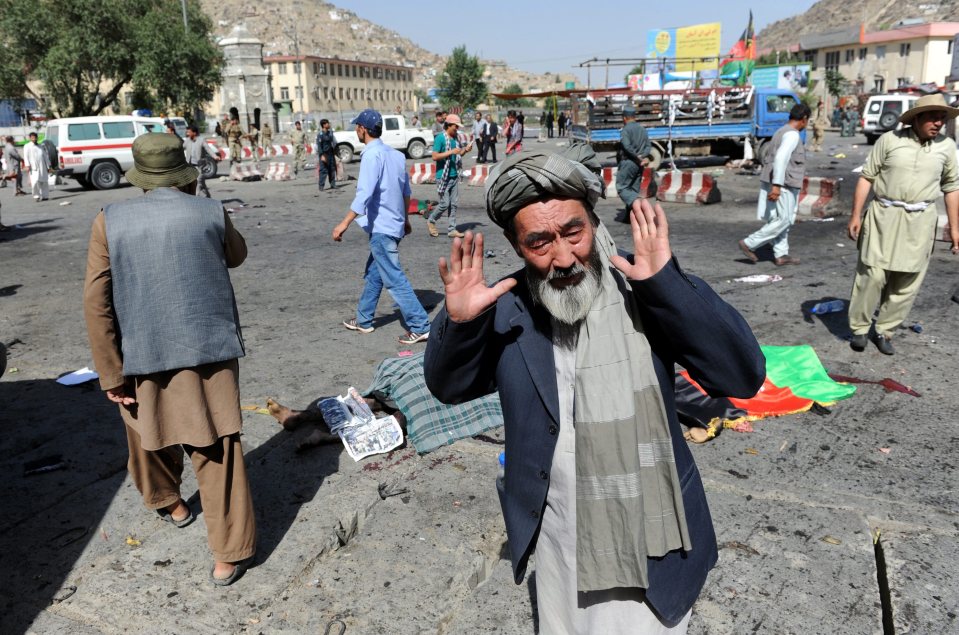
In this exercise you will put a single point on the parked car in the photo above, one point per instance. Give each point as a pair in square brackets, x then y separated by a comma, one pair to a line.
[415, 142]
[96, 151]
[882, 113]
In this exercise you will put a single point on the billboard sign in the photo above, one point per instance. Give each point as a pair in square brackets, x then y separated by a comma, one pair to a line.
[691, 44]
[790, 77]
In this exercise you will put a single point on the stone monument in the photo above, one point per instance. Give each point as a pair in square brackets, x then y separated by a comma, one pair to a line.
[246, 81]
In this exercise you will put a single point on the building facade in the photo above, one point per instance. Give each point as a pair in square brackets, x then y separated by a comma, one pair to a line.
[876, 62]
[306, 86]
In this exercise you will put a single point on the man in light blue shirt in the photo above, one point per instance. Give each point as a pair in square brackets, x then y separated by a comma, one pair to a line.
[382, 198]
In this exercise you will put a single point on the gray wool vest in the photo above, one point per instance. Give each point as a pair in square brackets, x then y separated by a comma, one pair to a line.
[795, 169]
[171, 289]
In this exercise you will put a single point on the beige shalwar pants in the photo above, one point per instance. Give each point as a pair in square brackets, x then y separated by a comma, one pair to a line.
[893, 291]
[224, 489]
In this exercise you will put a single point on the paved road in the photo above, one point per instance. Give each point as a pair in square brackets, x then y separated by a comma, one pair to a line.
[797, 504]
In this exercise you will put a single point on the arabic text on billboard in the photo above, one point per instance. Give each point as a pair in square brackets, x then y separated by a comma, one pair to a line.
[696, 43]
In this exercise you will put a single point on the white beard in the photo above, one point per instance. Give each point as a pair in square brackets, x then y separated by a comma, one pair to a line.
[568, 305]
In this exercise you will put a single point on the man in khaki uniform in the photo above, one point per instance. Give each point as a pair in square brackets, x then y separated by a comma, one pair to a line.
[266, 136]
[818, 126]
[254, 138]
[234, 133]
[298, 139]
[906, 170]
[175, 379]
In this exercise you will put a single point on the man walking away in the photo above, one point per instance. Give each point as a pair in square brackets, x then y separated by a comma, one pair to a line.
[784, 167]
[447, 154]
[634, 151]
[549, 124]
[326, 151]
[38, 163]
[175, 379]
[382, 198]
[195, 149]
[298, 139]
[906, 170]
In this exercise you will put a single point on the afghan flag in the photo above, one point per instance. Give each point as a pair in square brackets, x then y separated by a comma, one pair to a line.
[795, 380]
[741, 57]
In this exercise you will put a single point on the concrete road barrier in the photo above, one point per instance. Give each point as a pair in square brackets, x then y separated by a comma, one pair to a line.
[647, 188]
[819, 197]
[421, 173]
[245, 173]
[278, 171]
[676, 186]
[479, 174]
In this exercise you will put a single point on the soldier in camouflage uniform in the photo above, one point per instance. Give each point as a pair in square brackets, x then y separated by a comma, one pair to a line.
[266, 136]
[233, 134]
[298, 139]
[254, 138]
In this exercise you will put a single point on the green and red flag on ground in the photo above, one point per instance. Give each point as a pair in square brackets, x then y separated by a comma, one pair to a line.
[795, 380]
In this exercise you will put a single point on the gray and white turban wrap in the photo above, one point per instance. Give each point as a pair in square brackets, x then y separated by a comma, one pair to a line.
[528, 177]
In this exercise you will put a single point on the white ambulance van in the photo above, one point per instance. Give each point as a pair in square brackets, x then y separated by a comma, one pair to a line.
[96, 151]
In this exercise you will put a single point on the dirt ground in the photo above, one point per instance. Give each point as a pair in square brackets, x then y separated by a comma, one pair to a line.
[840, 522]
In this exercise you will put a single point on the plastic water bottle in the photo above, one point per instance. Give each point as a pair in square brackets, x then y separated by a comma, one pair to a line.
[833, 306]
[501, 475]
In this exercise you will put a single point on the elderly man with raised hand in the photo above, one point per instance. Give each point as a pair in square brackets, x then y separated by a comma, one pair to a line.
[906, 170]
[157, 274]
[581, 344]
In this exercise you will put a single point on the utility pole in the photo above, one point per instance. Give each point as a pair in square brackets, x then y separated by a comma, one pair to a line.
[186, 26]
[298, 64]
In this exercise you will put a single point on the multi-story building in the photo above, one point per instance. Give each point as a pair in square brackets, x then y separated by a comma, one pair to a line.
[307, 85]
[875, 62]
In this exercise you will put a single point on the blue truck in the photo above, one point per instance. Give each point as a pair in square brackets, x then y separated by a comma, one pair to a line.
[685, 123]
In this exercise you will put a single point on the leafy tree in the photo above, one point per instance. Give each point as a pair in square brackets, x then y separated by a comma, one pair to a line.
[514, 89]
[461, 83]
[85, 52]
[422, 95]
[835, 82]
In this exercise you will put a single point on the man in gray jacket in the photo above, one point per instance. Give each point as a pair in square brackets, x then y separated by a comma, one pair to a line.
[14, 170]
[157, 273]
[784, 167]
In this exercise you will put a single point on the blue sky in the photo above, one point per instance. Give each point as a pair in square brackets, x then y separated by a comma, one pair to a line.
[555, 35]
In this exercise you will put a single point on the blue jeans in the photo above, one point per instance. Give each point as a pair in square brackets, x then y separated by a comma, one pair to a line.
[383, 270]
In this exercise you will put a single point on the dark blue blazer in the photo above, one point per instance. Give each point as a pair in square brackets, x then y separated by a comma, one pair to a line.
[509, 348]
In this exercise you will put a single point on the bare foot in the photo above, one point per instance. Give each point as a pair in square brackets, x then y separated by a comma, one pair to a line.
[178, 511]
[280, 412]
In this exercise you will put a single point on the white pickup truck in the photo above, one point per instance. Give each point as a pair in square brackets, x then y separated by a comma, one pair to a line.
[415, 142]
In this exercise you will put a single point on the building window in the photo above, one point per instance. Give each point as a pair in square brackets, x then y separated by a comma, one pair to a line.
[808, 56]
[832, 61]
[850, 55]
[339, 70]
[879, 84]
[377, 73]
[296, 67]
[904, 49]
[299, 92]
[862, 53]
[281, 68]
[128, 99]
[284, 93]
[949, 47]
[354, 71]
[881, 52]
[341, 92]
